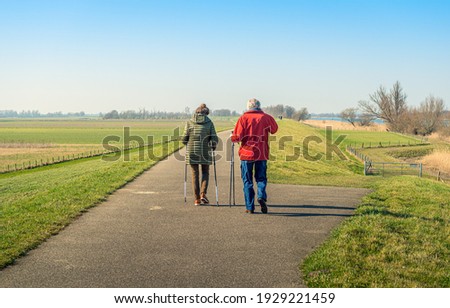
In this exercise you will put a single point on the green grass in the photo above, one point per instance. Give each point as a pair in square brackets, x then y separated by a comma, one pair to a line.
[397, 154]
[373, 139]
[411, 153]
[34, 204]
[399, 236]
[304, 169]
[88, 131]
[80, 131]
[30, 141]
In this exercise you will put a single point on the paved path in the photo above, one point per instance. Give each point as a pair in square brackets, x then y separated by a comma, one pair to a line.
[145, 236]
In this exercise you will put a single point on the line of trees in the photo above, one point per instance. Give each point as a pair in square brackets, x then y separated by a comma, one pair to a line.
[144, 114]
[37, 114]
[224, 113]
[288, 112]
[391, 107]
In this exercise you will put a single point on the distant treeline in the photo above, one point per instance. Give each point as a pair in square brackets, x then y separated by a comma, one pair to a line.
[37, 114]
[288, 112]
[144, 114]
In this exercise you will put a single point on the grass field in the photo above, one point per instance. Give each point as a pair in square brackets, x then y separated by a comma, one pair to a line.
[400, 235]
[30, 141]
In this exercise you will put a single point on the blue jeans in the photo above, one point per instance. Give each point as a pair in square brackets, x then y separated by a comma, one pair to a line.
[260, 177]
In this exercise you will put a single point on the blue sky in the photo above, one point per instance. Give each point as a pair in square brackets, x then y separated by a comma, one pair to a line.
[97, 56]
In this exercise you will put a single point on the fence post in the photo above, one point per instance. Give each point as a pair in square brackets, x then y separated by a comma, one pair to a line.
[365, 166]
[420, 170]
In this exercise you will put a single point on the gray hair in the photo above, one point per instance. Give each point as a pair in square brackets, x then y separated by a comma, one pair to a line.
[253, 103]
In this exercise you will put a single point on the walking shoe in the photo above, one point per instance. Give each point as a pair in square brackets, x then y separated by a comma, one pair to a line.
[263, 204]
[204, 199]
[197, 202]
[249, 211]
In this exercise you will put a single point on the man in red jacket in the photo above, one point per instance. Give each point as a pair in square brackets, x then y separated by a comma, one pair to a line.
[252, 131]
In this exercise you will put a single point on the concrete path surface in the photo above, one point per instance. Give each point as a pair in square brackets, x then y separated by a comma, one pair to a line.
[145, 236]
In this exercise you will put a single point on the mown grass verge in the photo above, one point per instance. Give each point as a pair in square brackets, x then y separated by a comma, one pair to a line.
[37, 203]
[399, 236]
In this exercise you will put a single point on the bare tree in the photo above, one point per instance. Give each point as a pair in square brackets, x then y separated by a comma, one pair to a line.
[301, 114]
[349, 115]
[274, 110]
[388, 106]
[431, 113]
[289, 111]
[365, 119]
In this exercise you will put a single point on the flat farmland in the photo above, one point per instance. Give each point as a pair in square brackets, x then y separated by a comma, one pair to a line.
[25, 142]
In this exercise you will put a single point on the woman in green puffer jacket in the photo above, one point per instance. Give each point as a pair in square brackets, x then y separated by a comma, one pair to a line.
[200, 137]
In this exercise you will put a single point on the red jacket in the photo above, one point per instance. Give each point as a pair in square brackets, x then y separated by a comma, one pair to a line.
[252, 131]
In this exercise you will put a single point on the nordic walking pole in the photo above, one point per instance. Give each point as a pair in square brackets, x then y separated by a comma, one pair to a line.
[234, 191]
[215, 177]
[232, 176]
[185, 179]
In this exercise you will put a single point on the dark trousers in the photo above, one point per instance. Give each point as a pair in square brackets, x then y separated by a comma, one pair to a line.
[260, 167]
[196, 178]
